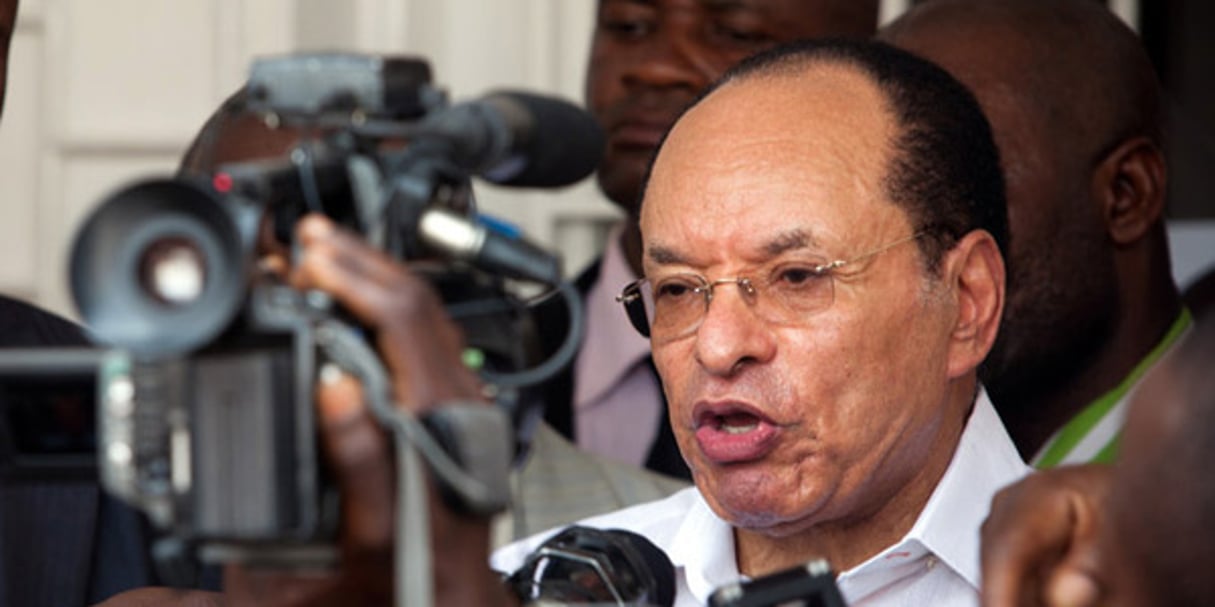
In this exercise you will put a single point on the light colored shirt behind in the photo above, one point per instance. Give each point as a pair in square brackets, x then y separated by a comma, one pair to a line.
[617, 399]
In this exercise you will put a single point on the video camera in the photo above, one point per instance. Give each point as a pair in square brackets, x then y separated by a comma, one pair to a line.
[205, 415]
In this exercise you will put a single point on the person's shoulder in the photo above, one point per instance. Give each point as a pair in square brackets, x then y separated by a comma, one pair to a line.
[560, 483]
[24, 325]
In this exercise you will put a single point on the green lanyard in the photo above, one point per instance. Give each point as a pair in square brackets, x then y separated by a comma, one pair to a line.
[1071, 434]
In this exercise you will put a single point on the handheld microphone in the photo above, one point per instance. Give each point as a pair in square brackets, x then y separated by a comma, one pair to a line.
[810, 585]
[517, 139]
[486, 246]
[583, 565]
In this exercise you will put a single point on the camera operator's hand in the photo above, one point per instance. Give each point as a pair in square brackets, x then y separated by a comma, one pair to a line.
[421, 348]
[1039, 543]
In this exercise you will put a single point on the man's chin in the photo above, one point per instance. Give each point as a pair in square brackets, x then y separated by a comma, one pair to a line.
[771, 514]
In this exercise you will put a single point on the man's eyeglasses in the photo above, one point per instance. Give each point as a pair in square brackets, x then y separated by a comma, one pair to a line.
[670, 307]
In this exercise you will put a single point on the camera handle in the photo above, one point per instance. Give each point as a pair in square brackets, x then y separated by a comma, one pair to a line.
[482, 487]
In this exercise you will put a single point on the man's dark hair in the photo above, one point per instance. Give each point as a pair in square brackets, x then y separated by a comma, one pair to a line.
[946, 170]
[198, 156]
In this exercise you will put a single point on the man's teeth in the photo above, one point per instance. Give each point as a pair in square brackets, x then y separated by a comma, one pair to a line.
[737, 428]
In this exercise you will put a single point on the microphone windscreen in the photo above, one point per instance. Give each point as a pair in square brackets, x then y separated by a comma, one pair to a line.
[588, 566]
[656, 563]
[556, 142]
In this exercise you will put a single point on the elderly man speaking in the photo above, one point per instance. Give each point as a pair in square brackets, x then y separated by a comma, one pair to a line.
[823, 275]
[822, 251]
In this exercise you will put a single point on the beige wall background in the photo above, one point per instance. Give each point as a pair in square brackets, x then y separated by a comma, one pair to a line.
[104, 92]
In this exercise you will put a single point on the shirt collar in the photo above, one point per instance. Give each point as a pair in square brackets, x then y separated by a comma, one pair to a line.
[612, 347]
[946, 531]
[948, 526]
[703, 548]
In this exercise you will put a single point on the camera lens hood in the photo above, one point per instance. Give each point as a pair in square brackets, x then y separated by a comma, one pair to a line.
[160, 267]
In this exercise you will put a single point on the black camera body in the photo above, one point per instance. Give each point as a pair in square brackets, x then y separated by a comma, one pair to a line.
[216, 446]
[205, 412]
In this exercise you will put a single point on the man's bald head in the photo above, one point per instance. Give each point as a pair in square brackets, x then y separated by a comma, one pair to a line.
[1075, 108]
[1084, 69]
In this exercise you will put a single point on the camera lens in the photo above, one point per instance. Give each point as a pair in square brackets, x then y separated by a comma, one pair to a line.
[173, 271]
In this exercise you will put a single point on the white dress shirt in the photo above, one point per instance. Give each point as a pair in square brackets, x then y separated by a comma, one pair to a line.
[936, 563]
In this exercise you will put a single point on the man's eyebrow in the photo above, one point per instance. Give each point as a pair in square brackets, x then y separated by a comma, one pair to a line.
[665, 256]
[782, 243]
[788, 241]
[723, 5]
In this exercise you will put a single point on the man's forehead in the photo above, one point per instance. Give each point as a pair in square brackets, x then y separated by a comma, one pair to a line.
[805, 91]
[818, 135]
[832, 115]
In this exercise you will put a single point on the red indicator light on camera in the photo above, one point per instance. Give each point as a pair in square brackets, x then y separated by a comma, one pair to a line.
[222, 182]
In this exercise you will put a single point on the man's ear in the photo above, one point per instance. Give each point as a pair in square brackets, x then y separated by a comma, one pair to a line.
[975, 269]
[1129, 183]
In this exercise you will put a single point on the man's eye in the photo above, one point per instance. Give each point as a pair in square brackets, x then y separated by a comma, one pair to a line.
[741, 36]
[798, 277]
[627, 28]
[673, 289]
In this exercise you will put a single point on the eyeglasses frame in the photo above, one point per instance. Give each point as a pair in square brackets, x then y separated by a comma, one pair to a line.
[637, 316]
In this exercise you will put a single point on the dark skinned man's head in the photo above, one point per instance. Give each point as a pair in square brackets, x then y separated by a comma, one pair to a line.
[650, 59]
[1074, 105]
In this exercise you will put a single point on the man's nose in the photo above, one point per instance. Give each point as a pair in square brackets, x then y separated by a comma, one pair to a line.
[731, 335]
[672, 58]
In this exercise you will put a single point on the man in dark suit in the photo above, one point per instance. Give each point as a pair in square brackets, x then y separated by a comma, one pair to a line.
[62, 541]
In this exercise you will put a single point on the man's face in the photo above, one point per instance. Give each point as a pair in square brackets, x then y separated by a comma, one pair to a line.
[8, 19]
[835, 415]
[1060, 270]
[650, 59]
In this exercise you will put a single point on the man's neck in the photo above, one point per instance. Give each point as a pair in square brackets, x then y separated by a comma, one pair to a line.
[1033, 416]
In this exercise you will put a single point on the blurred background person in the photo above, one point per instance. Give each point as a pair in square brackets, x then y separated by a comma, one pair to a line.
[63, 541]
[1092, 304]
[1132, 534]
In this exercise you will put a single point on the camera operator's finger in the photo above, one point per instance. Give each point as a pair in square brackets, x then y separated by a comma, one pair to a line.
[358, 454]
[340, 263]
[1040, 536]
[418, 342]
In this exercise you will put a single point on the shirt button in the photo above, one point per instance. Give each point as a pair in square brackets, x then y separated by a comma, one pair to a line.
[931, 562]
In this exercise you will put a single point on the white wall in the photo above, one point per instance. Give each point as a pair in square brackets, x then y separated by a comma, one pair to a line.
[102, 92]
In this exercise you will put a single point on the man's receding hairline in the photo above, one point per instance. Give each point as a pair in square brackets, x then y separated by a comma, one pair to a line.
[797, 66]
